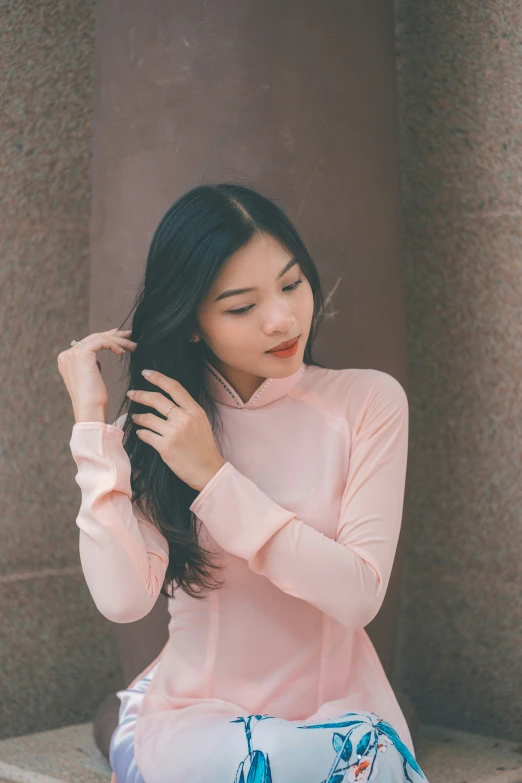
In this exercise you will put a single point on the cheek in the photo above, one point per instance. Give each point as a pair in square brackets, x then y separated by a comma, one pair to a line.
[235, 329]
[218, 328]
[307, 303]
[230, 332]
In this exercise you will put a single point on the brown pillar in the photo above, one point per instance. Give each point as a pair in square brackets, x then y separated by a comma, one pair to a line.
[297, 99]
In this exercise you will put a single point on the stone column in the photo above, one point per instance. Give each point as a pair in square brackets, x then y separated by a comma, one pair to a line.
[459, 71]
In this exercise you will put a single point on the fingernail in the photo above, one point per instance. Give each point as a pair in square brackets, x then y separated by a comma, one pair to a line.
[130, 392]
[146, 372]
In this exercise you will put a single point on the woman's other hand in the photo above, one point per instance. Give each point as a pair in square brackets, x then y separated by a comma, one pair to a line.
[185, 439]
[81, 372]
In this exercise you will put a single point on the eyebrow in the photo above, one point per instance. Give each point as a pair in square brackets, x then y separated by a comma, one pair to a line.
[235, 291]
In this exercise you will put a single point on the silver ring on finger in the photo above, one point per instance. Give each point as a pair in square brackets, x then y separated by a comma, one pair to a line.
[76, 342]
[167, 413]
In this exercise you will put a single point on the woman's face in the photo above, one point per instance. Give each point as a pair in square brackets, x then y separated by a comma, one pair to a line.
[276, 309]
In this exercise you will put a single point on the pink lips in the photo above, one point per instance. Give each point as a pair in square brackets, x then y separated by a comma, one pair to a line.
[284, 346]
[285, 353]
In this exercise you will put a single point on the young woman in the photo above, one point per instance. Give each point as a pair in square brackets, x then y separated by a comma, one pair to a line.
[240, 454]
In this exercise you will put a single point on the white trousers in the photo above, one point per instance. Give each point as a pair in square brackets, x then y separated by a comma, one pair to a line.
[355, 746]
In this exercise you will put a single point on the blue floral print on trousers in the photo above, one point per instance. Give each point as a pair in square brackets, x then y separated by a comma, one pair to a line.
[355, 746]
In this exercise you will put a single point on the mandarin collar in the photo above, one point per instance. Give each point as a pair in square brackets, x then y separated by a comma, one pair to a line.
[268, 390]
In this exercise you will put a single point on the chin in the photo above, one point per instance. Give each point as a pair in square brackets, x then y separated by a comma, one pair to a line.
[286, 366]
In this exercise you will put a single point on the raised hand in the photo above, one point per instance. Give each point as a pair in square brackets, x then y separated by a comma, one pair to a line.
[185, 439]
[81, 374]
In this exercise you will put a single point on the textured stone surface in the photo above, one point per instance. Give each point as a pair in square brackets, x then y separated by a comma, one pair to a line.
[58, 656]
[43, 283]
[459, 71]
[45, 158]
[46, 118]
[68, 754]
[57, 653]
[451, 756]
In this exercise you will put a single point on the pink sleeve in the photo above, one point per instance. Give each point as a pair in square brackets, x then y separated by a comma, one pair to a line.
[347, 576]
[124, 558]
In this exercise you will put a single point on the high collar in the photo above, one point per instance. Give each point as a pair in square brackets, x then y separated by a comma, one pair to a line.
[268, 390]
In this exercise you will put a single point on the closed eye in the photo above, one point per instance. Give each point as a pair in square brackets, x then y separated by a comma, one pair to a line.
[243, 310]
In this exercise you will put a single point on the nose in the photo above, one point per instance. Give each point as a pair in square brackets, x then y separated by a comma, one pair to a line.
[280, 320]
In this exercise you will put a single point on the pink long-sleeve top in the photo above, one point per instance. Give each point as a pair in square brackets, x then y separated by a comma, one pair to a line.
[305, 514]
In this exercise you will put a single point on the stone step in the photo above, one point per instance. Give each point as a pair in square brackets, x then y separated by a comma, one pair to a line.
[66, 755]
[69, 755]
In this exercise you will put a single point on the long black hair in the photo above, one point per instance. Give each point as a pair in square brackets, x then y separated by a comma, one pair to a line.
[191, 244]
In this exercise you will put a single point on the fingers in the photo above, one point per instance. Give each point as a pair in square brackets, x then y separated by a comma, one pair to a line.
[129, 343]
[115, 340]
[98, 342]
[118, 335]
[122, 336]
[151, 399]
[112, 340]
[175, 389]
[151, 421]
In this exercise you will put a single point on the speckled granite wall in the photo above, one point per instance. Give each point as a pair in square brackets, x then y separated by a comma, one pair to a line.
[57, 655]
[460, 649]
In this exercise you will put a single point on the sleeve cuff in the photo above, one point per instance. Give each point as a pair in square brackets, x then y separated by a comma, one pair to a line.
[103, 463]
[95, 425]
[195, 503]
[238, 515]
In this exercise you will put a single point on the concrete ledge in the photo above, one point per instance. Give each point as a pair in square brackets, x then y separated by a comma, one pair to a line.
[450, 756]
[69, 755]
